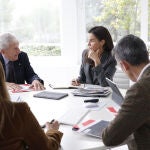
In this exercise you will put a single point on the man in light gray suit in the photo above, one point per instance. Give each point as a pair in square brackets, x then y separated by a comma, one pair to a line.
[134, 116]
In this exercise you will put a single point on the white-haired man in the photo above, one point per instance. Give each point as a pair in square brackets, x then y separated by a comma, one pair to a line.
[16, 64]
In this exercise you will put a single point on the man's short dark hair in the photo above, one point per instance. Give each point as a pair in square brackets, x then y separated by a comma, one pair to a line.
[131, 49]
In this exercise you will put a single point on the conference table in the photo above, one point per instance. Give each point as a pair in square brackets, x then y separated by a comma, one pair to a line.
[48, 109]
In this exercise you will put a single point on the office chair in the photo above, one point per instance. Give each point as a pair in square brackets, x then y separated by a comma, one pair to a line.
[121, 79]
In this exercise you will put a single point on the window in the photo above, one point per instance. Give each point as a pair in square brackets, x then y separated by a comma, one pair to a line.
[121, 17]
[149, 22]
[35, 23]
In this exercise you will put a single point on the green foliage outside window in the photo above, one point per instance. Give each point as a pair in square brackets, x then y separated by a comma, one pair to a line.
[121, 17]
[41, 50]
[34, 23]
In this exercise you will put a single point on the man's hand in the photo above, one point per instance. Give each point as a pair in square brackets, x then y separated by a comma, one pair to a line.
[37, 85]
[13, 86]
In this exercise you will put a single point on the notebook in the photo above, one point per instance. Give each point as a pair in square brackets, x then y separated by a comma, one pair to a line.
[63, 86]
[50, 95]
[116, 95]
[95, 129]
[73, 116]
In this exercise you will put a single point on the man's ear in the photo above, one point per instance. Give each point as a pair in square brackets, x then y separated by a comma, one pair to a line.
[125, 65]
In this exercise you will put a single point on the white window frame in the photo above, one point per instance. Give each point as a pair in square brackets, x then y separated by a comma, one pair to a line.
[144, 20]
[73, 31]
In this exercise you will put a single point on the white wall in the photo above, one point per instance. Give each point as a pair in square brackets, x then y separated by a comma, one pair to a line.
[53, 69]
[73, 30]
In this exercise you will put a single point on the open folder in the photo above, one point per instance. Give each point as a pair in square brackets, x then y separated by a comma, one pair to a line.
[94, 129]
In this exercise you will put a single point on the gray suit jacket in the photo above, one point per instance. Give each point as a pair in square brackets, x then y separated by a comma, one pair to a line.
[96, 75]
[133, 117]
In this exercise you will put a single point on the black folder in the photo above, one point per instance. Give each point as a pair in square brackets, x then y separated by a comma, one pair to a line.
[51, 95]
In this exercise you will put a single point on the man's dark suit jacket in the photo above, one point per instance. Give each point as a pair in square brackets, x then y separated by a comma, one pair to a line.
[23, 70]
[133, 117]
[96, 75]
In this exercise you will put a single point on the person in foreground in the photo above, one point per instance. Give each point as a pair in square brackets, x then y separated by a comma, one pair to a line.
[97, 61]
[16, 64]
[133, 117]
[19, 129]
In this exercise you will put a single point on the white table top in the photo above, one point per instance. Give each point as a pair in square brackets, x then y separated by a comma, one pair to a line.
[46, 110]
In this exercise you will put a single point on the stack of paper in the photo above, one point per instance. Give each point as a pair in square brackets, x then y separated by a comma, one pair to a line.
[92, 91]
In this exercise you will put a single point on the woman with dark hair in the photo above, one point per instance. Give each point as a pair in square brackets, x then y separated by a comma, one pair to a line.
[97, 61]
[19, 129]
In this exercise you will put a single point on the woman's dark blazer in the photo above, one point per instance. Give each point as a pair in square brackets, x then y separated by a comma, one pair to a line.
[96, 75]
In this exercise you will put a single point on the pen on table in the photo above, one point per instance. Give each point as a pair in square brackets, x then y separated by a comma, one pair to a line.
[50, 86]
[43, 126]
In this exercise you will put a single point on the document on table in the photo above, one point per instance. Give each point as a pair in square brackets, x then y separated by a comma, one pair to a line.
[24, 88]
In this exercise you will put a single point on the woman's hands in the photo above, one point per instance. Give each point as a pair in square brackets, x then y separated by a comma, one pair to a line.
[95, 56]
[54, 125]
[75, 82]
